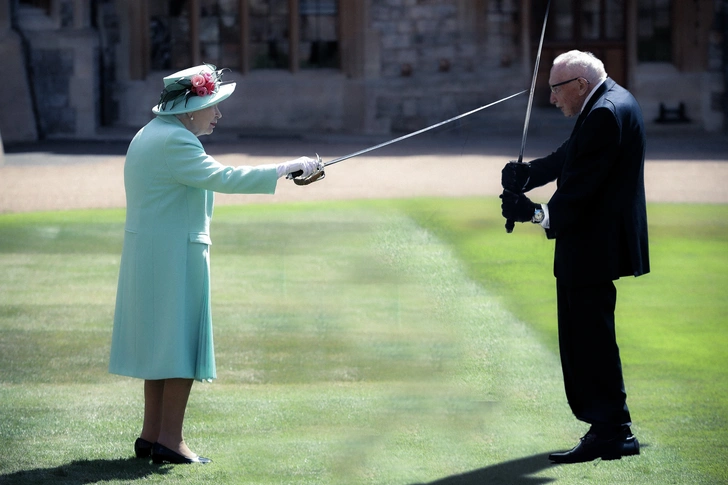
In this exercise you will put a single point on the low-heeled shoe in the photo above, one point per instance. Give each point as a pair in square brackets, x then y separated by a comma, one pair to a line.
[142, 448]
[161, 454]
[593, 446]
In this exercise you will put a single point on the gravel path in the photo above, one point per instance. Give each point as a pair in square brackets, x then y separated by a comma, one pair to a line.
[681, 167]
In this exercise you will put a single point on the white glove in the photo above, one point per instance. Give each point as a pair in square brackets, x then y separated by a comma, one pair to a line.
[308, 166]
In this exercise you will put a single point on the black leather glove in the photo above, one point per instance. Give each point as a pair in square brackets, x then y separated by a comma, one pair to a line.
[517, 207]
[514, 176]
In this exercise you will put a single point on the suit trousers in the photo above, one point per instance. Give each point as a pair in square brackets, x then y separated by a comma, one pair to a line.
[590, 356]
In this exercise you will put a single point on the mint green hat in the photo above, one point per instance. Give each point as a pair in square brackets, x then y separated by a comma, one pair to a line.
[193, 89]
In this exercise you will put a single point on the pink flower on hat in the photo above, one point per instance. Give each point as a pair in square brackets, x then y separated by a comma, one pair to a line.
[198, 80]
[203, 84]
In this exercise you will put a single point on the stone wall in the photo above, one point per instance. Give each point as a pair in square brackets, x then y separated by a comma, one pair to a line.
[413, 63]
[64, 71]
[721, 54]
[62, 62]
[420, 38]
[714, 79]
[52, 69]
[440, 58]
[421, 61]
[17, 118]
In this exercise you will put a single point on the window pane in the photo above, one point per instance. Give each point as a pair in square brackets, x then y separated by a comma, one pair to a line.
[614, 18]
[169, 35]
[561, 21]
[319, 26]
[591, 20]
[220, 32]
[269, 35]
[653, 31]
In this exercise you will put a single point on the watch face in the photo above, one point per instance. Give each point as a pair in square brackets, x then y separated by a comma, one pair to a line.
[538, 216]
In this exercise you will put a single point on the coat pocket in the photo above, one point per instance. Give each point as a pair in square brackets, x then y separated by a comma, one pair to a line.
[200, 238]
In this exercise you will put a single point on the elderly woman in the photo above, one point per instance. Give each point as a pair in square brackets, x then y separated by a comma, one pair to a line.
[162, 324]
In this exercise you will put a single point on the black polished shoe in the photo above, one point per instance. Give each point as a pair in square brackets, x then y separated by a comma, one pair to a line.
[162, 454]
[142, 448]
[593, 446]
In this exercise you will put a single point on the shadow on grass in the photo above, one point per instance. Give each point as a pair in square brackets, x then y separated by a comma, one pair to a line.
[87, 471]
[514, 472]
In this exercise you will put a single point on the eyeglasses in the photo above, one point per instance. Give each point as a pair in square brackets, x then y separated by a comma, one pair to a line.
[554, 86]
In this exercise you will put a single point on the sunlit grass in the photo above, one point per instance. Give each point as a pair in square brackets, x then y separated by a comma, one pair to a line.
[362, 342]
[672, 324]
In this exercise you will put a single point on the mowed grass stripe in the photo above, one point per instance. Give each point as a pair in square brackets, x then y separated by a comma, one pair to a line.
[353, 347]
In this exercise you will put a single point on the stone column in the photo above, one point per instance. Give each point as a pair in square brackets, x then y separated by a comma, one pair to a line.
[527, 63]
[4, 16]
[715, 78]
[4, 29]
[17, 120]
[631, 39]
[723, 13]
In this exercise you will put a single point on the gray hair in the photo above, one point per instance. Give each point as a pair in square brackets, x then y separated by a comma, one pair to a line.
[584, 63]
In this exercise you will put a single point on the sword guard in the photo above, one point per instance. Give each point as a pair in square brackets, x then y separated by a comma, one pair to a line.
[314, 177]
[317, 175]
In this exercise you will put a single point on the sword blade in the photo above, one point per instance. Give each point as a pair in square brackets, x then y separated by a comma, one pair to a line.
[510, 225]
[418, 132]
[533, 84]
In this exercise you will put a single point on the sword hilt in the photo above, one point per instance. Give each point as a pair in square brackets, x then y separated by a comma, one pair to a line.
[317, 175]
[510, 223]
[308, 180]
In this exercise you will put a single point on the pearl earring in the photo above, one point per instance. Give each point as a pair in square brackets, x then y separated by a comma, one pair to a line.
[192, 118]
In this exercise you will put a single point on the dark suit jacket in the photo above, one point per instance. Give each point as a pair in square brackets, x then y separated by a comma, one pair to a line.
[597, 213]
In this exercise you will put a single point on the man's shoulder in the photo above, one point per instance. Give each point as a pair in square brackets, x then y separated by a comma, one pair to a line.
[616, 99]
[622, 106]
[617, 93]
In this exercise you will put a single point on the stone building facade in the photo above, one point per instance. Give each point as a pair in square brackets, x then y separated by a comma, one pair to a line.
[83, 67]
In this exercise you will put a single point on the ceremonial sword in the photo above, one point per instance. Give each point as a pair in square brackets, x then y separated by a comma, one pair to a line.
[509, 223]
[321, 174]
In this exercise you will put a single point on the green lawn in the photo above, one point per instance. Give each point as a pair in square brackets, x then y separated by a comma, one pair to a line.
[389, 342]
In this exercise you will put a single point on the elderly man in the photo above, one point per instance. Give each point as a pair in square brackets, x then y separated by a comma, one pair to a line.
[598, 218]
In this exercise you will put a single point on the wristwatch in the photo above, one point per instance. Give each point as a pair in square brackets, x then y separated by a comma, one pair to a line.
[538, 216]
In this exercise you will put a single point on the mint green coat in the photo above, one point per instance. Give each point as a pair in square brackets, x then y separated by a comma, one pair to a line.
[162, 323]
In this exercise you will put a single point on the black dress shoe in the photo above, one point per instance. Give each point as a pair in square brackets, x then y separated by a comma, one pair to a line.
[593, 446]
[142, 448]
[161, 454]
